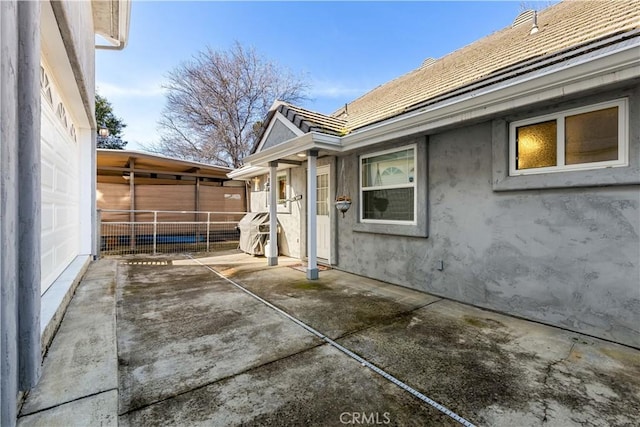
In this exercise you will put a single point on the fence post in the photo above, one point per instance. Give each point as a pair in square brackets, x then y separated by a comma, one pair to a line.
[208, 225]
[155, 231]
[97, 244]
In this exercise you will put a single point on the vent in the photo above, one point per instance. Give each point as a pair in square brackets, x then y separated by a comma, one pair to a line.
[427, 62]
[146, 262]
[523, 18]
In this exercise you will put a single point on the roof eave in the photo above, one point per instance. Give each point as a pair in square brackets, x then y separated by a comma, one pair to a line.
[591, 70]
[301, 144]
[588, 71]
[111, 21]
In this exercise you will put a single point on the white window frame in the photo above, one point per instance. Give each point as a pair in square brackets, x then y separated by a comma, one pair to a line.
[283, 206]
[623, 139]
[412, 184]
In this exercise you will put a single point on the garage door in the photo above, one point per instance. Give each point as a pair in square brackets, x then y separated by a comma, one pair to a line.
[60, 187]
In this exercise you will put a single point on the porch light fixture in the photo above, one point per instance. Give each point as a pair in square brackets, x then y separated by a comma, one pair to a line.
[266, 185]
[303, 155]
[103, 131]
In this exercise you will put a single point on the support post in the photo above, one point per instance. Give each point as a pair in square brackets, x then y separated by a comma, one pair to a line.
[312, 227]
[208, 228]
[132, 196]
[272, 256]
[98, 235]
[29, 199]
[20, 203]
[155, 231]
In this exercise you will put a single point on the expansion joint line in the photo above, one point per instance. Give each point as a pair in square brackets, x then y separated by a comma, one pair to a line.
[344, 350]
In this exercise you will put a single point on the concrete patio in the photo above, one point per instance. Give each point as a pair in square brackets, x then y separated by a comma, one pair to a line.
[167, 341]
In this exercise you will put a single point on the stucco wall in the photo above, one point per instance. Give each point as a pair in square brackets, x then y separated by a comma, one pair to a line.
[565, 256]
[289, 215]
[292, 216]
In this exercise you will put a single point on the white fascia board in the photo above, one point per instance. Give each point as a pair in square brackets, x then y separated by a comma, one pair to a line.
[247, 172]
[59, 68]
[308, 141]
[124, 20]
[572, 76]
[278, 116]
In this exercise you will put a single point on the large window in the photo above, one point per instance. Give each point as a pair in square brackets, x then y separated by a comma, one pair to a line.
[584, 138]
[387, 186]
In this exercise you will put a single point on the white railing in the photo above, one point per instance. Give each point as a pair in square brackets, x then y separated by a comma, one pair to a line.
[153, 232]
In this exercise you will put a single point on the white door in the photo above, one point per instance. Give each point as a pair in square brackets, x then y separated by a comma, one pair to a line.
[323, 208]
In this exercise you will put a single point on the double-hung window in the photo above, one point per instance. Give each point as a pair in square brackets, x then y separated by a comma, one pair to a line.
[583, 138]
[388, 187]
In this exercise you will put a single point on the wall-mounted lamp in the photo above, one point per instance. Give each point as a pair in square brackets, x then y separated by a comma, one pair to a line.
[266, 185]
[103, 131]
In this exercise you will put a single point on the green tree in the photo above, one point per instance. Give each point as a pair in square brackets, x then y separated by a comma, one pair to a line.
[106, 119]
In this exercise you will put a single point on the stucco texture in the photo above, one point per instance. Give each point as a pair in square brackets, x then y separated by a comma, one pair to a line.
[566, 257]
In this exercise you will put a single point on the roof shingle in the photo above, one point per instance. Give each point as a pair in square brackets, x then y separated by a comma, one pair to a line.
[565, 25]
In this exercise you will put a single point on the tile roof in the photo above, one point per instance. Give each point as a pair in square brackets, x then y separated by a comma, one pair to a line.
[308, 121]
[562, 26]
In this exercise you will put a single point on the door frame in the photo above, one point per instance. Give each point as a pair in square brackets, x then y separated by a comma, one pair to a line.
[323, 165]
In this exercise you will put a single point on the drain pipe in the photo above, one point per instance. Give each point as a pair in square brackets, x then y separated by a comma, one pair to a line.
[344, 350]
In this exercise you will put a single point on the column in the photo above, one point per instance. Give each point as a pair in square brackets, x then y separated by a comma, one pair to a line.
[312, 228]
[272, 256]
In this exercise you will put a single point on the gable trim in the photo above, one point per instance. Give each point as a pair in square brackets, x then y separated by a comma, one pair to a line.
[278, 116]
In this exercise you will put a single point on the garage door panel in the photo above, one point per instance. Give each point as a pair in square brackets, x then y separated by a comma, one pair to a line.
[60, 197]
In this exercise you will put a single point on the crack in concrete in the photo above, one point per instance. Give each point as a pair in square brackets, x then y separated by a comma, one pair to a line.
[201, 386]
[385, 321]
[550, 366]
[67, 402]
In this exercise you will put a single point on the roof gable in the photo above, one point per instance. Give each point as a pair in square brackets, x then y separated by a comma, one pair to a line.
[285, 121]
[278, 131]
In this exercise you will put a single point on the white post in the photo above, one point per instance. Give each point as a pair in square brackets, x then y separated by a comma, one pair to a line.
[312, 228]
[272, 256]
[208, 228]
[155, 231]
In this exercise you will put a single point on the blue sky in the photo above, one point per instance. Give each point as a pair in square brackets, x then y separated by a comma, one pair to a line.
[343, 49]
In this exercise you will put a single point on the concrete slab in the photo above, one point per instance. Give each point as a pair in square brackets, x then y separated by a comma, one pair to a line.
[489, 368]
[497, 370]
[55, 300]
[97, 410]
[195, 350]
[316, 387]
[181, 328]
[82, 358]
[337, 303]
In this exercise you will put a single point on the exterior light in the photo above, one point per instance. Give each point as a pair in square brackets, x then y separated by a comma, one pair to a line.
[303, 155]
[103, 131]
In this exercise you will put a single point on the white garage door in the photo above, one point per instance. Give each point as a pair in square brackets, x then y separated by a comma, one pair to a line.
[60, 188]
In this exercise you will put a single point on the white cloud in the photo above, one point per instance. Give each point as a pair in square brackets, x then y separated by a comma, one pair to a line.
[322, 89]
[110, 90]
